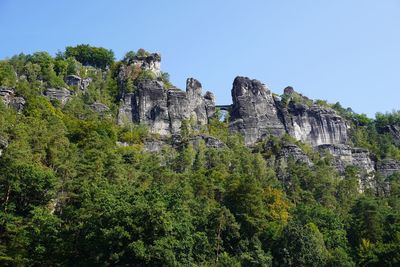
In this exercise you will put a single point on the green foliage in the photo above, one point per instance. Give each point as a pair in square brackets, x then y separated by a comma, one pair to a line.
[7, 74]
[134, 134]
[77, 189]
[90, 55]
[142, 53]
[129, 57]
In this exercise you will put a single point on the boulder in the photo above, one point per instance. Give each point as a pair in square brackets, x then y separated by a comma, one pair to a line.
[99, 107]
[61, 94]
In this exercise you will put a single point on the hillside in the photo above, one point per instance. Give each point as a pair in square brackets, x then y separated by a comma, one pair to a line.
[104, 162]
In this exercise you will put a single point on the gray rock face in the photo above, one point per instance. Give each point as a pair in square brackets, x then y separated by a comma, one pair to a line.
[344, 155]
[292, 151]
[164, 110]
[99, 107]
[209, 141]
[388, 167]
[316, 125]
[254, 113]
[209, 100]
[10, 100]
[62, 94]
[153, 145]
[150, 62]
[74, 80]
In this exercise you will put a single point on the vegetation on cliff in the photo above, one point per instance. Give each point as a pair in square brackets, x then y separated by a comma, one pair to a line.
[76, 189]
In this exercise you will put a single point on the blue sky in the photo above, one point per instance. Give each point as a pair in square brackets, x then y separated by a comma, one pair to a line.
[343, 50]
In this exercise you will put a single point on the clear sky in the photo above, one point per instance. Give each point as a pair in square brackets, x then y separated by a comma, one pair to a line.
[342, 50]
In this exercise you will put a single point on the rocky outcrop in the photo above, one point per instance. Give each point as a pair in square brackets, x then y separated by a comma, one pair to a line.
[162, 110]
[315, 125]
[209, 100]
[291, 151]
[254, 113]
[209, 141]
[388, 167]
[149, 62]
[344, 155]
[62, 94]
[99, 107]
[10, 100]
[154, 145]
[74, 80]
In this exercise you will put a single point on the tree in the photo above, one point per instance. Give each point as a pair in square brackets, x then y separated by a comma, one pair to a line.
[90, 55]
[302, 245]
[7, 74]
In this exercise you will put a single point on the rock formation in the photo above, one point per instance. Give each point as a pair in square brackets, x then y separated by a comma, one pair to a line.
[99, 107]
[162, 110]
[10, 100]
[149, 62]
[388, 167]
[62, 94]
[256, 113]
[74, 80]
[344, 155]
[315, 125]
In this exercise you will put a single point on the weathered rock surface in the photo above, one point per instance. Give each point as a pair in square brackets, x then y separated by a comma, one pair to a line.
[162, 110]
[10, 100]
[209, 141]
[344, 155]
[388, 167]
[74, 80]
[291, 151]
[62, 94]
[315, 125]
[150, 62]
[154, 145]
[254, 113]
[6, 94]
[100, 107]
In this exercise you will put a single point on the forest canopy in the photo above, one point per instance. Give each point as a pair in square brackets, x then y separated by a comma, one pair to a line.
[78, 189]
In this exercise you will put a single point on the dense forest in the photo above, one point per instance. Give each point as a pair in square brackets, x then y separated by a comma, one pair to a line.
[78, 189]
